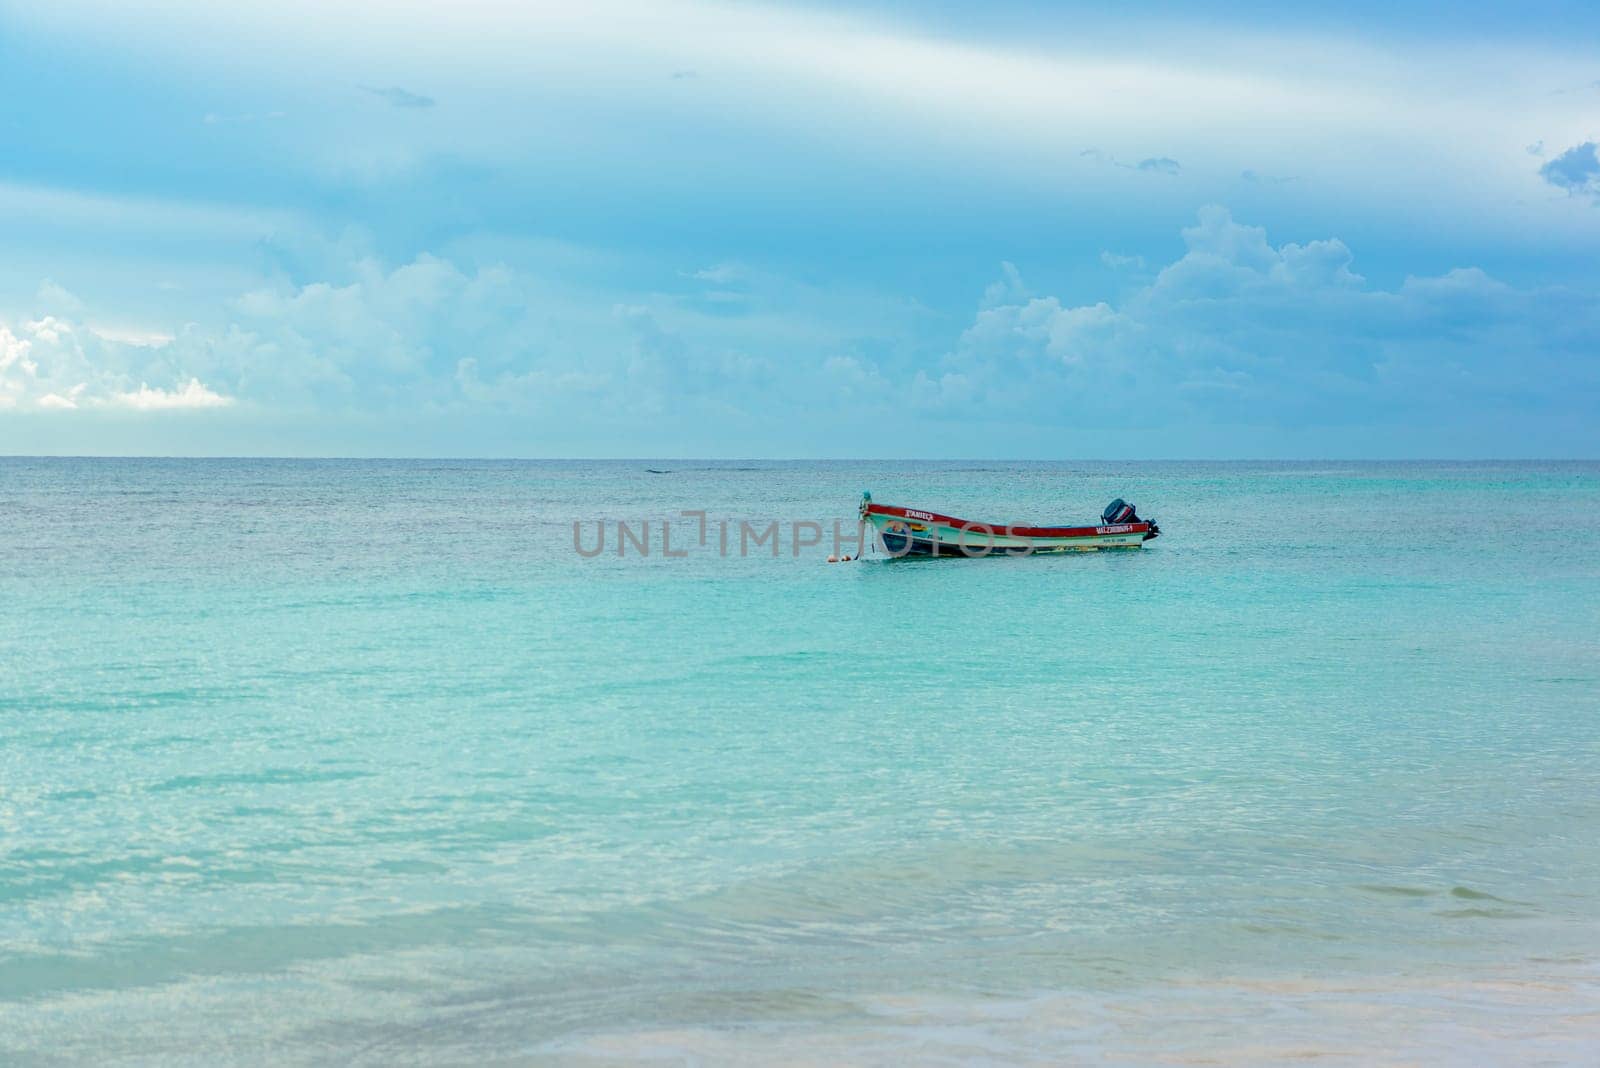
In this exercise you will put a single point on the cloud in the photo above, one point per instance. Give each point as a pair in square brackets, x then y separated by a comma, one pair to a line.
[435, 336]
[819, 88]
[665, 366]
[1116, 261]
[1577, 170]
[853, 379]
[723, 274]
[401, 98]
[524, 390]
[190, 395]
[130, 335]
[1149, 165]
[1008, 289]
[54, 364]
[385, 340]
[684, 75]
[53, 299]
[55, 401]
[1239, 330]
[214, 119]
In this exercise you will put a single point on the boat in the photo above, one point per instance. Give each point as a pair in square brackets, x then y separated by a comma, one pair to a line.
[914, 532]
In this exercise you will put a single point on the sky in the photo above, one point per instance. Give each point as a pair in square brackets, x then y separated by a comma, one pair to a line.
[681, 228]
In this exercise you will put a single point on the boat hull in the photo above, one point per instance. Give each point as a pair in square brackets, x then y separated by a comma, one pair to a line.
[911, 532]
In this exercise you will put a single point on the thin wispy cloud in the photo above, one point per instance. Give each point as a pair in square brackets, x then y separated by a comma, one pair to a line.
[212, 118]
[400, 98]
[722, 273]
[1149, 165]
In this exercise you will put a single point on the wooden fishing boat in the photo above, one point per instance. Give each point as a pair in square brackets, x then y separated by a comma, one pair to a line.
[914, 532]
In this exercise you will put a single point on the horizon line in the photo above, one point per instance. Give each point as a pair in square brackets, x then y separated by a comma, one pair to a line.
[806, 459]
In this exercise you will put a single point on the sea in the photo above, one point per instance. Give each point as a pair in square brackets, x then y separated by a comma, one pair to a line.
[379, 762]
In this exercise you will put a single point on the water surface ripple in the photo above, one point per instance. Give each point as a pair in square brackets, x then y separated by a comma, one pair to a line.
[316, 761]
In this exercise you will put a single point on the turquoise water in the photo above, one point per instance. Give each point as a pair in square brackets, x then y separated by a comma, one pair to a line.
[361, 762]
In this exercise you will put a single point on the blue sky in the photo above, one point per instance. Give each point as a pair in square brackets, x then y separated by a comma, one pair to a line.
[680, 228]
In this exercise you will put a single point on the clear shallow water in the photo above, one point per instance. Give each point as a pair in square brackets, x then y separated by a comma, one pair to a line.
[360, 761]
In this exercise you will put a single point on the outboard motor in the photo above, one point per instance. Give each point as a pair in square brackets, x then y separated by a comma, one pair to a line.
[1119, 511]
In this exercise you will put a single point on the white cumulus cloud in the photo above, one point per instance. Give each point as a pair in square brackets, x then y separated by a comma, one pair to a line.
[1243, 330]
[192, 394]
[55, 364]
